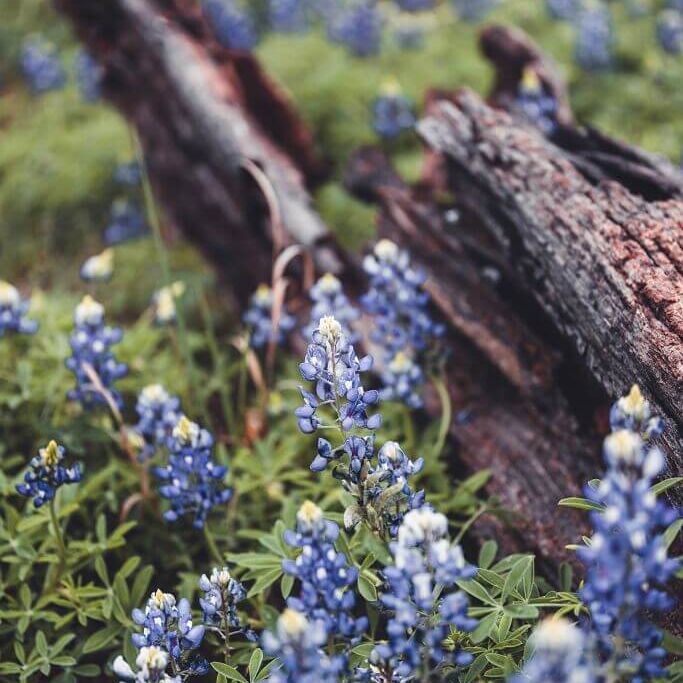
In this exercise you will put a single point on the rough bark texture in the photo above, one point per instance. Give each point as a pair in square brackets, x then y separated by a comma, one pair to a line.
[604, 264]
[201, 111]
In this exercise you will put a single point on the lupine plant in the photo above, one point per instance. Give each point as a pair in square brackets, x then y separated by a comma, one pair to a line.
[392, 112]
[328, 298]
[534, 104]
[13, 311]
[42, 66]
[258, 319]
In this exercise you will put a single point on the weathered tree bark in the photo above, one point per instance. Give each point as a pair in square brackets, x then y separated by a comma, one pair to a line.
[206, 116]
[604, 264]
[558, 290]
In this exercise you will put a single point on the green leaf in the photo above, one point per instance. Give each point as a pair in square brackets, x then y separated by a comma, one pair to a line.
[255, 662]
[286, 585]
[581, 504]
[484, 628]
[478, 591]
[517, 573]
[100, 639]
[670, 534]
[264, 581]
[230, 672]
[521, 611]
[665, 485]
[487, 554]
[367, 589]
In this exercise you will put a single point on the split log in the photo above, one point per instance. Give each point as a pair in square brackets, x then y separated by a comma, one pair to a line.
[208, 119]
[603, 263]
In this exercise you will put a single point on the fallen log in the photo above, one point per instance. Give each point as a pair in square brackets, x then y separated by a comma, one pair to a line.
[209, 119]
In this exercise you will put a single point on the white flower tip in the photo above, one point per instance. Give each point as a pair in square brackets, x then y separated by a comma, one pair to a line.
[557, 633]
[292, 624]
[386, 250]
[9, 294]
[89, 311]
[624, 446]
[330, 328]
[309, 513]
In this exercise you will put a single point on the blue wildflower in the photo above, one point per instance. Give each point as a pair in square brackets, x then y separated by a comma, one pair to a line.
[328, 298]
[91, 357]
[398, 305]
[327, 581]
[560, 653]
[222, 593]
[593, 50]
[98, 268]
[128, 173]
[473, 10]
[126, 222]
[670, 31]
[191, 481]
[392, 112]
[168, 624]
[233, 25]
[89, 73]
[333, 365]
[151, 662]
[258, 319]
[13, 311]
[358, 27]
[298, 643]
[402, 379]
[158, 414]
[42, 66]
[564, 10]
[288, 16]
[415, 5]
[534, 104]
[421, 616]
[47, 474]
[626, 560]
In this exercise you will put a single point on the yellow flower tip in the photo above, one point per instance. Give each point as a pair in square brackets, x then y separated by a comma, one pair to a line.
[390, 87]
[292, 623]
[184, 429]
[262, 292]
[386, 250]
[400, 362]
[9, 295]
[530, 79]
[50, 454]
[634, 403]
[309, 513]
[329, 282]
[623, 445]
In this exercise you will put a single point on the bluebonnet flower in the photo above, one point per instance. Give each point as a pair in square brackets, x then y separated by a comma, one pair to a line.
[288, 16]
[473, 10]
[126, 222]
[258, 318]
[328, 298]
[420, 598]
[415, 5]
[42, 66]
[128, 173]
[565, 10]
[327, 581]
[333, 365]
[392, 112]
[222, 593]
[402, 378]
[396, 301]
[232, 24]
[535, 104]
[298, 644]
[670, 31]
[89, 75]
[13, 311]
[358, 27]
[191, 481]
[91, 344]
[393, 459]
[151, 662]
[164, 302]
[560, 654]
[158, 414]
[626, 558]
[594, 37]
[168, 624]
[47, 474]
[399, 307]
[98, 268]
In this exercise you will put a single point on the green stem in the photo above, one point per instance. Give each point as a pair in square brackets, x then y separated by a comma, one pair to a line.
[213, 548]
[446, 414]
[463, 530]
[162, 253]
[59, 538]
